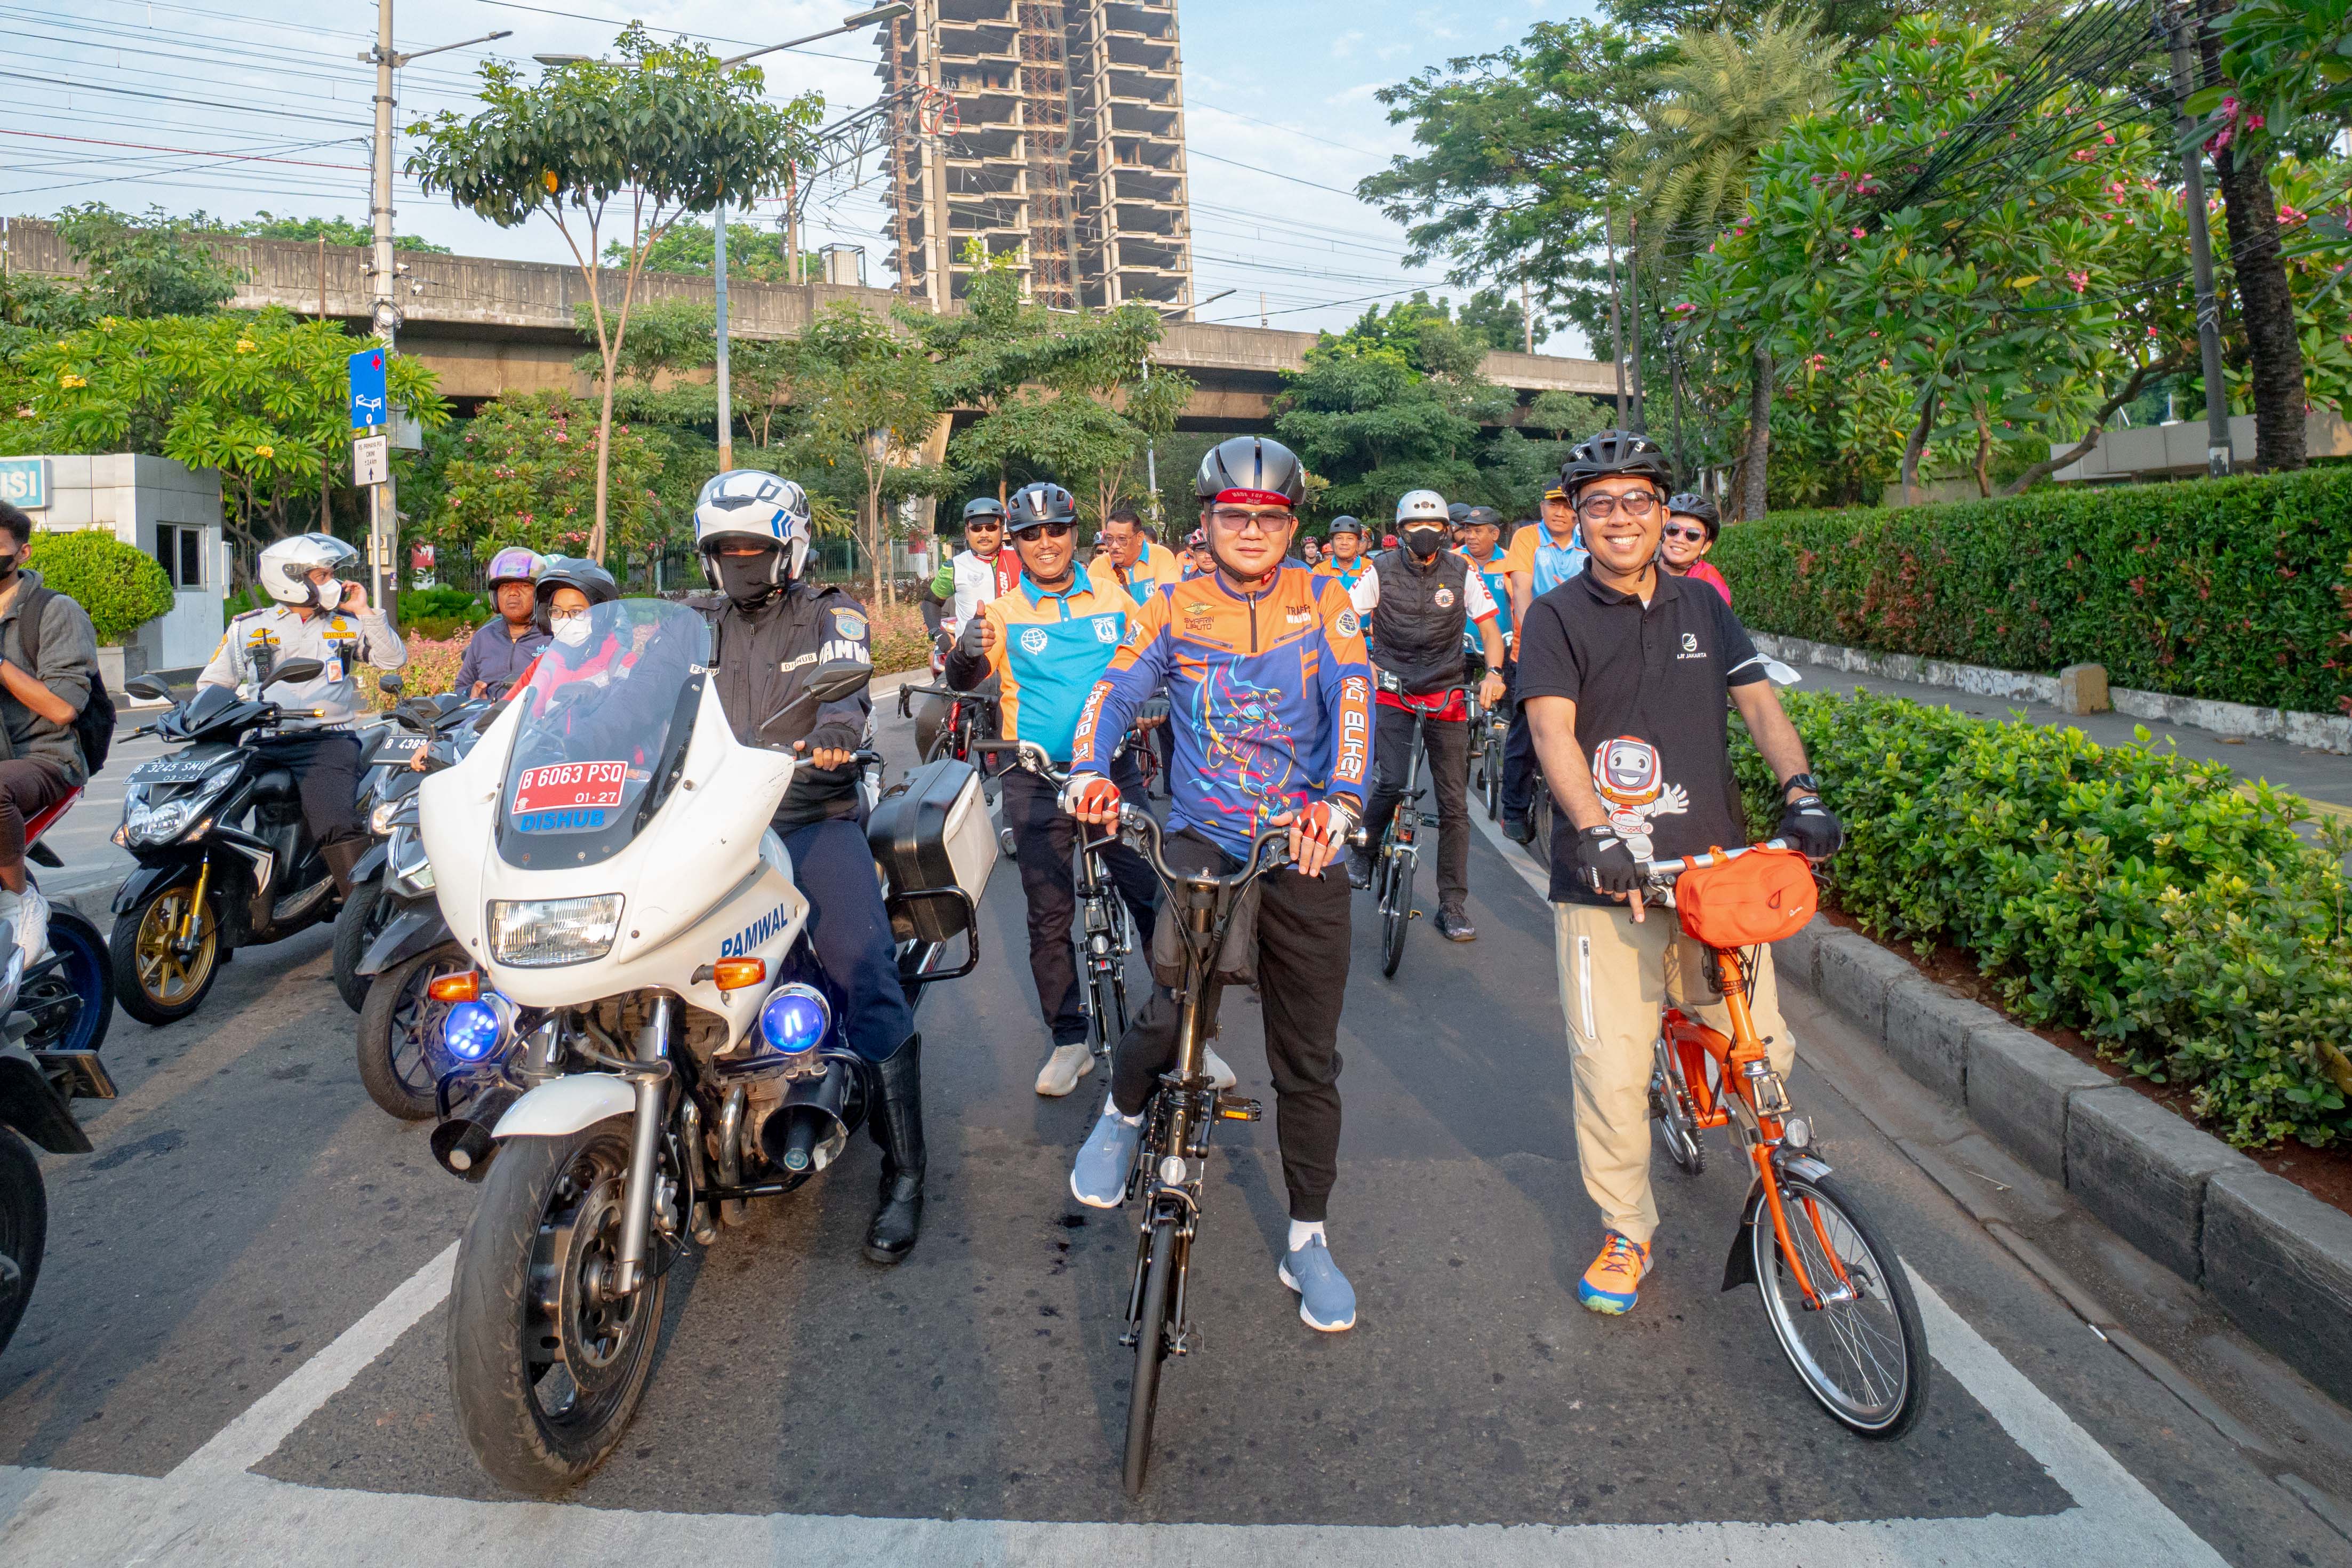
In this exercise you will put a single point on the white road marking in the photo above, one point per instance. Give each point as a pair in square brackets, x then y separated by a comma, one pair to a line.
[213, 1511]
[271, 1419]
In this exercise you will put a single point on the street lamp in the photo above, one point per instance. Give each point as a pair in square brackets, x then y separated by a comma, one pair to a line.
[719, 223]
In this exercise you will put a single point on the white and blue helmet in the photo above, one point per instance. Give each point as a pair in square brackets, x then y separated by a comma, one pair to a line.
[750, 504]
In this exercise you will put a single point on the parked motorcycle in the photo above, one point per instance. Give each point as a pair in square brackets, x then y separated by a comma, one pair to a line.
[386, 778]
[669, 1045]
[226, 859]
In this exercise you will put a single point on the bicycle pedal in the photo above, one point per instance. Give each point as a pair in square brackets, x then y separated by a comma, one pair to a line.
[1233, 1108]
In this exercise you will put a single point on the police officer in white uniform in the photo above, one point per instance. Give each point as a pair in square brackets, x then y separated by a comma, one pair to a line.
[319, 614]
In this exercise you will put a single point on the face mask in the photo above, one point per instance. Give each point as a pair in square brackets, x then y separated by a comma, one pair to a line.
[572, 631]
[331, 594]
[747, 579]
[1425, 543]
[8, 564]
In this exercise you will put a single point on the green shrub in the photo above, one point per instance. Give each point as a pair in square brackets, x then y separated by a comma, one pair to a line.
[119, 585]
[2174, 919]
[2225, 590]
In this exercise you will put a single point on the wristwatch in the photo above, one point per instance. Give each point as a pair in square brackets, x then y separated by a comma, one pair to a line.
[1803, 784]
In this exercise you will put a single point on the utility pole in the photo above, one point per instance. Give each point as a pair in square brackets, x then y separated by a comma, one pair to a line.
[2200, 252]
[1616, 321]
[1526, 315]
[1634, 308]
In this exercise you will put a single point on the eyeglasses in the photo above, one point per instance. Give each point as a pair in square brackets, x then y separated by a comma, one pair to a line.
[1032, 529]
[1693, 534]
[1600, 508]
[578, 615]
[1241, 520]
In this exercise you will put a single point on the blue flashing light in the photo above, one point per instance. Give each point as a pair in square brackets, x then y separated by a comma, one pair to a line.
[795, 1019]
[471, 1031]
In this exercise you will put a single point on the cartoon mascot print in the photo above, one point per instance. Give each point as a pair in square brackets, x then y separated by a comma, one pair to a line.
[1625, 772]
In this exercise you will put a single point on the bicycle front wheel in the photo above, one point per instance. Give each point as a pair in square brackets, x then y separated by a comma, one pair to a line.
[1150, 1350]
[1396, 913]
[1864, 1358]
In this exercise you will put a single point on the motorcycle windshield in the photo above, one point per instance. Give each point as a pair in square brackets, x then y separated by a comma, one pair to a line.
[605, 721]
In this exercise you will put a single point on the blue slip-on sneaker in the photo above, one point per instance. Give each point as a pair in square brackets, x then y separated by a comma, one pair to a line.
[1099, 1179]
[1327, 1302]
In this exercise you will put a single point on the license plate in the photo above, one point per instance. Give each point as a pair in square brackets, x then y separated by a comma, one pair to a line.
[569, 786]
[399, 748]
[171, 769]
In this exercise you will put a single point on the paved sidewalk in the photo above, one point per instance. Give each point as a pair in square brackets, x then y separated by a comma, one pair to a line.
[2320, 777]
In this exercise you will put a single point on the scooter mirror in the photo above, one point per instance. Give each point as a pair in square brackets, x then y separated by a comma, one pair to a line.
[842, 678]
[148, 687]
[297, 670]
[390, 682]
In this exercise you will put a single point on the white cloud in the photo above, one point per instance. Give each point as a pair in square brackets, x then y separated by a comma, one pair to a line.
[1344, 46]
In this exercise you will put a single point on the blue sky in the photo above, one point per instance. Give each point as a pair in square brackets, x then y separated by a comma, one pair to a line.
[240, 105]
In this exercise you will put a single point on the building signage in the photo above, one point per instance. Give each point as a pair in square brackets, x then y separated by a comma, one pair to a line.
[24, 482]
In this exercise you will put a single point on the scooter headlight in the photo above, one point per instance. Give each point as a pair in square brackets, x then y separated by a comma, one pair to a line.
[471, 1031]
[160, 824]
[380, 819]
[795, 1019]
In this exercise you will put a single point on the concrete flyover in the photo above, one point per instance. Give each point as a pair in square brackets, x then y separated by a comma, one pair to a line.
[490, 328]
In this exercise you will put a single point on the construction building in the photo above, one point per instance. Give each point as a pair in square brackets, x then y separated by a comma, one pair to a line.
[1051, 130]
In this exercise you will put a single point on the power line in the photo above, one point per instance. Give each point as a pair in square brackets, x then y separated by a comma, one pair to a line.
[1213, 158]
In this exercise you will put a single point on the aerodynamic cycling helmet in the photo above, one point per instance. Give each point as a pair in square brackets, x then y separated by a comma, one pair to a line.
[984, 509]
[1422, 506]
[1611, 453]
[1344, 524]
[1690, 503]
[514, 565]
[286, 566]
[1251, 471]
[747, 504]
[570, 572]
[1041, 504]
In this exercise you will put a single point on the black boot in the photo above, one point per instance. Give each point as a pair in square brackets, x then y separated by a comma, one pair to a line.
[342, 855]
[898, 1125]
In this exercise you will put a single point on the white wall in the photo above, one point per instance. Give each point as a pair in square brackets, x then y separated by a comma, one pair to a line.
[130, 496]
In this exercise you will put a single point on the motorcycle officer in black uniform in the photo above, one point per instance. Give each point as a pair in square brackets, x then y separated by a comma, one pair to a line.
[770, 629]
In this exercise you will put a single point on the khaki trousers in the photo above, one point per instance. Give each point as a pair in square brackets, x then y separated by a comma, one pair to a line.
[1615, 975]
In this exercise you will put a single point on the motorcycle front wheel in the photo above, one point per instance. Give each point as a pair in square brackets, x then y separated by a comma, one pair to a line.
[546, 1361]
[24, 1229]
[71, 999]
[400, 1058]
[357, 925]
[154, 980]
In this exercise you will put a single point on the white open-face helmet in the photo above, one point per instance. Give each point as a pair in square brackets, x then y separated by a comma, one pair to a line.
[1422, 506]
[747, 504]
[286, 566]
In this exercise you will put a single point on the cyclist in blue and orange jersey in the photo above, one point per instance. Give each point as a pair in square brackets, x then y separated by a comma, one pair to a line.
[1481, 538]
[1542, 556]
[1047, 639]
[1344, 554]
[1128, 560]
[1271, 701]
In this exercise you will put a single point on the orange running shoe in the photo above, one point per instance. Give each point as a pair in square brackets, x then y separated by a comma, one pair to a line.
[1612, 1284]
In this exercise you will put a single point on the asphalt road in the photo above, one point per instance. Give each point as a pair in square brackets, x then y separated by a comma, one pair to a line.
[236, 1351]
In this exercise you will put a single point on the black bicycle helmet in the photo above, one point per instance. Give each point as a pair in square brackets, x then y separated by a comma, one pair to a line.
[1690, 503]
[1615, 452]
[985, 508]
[1254, 471]
[572, 572]
[1457, 514]
[1036, 504]
[1344, 524]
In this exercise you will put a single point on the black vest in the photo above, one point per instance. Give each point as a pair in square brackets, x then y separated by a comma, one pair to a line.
[1417, 625]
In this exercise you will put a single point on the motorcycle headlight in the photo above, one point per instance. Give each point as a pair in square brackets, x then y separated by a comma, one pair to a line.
[160, 824]
[380, 819]
[412, 871]
[540, 933]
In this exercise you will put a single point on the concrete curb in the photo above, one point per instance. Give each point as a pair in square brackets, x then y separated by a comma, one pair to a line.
[2275, 1259]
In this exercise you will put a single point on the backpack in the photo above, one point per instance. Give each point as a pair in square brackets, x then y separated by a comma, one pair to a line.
[1763, 896]
[94, 725]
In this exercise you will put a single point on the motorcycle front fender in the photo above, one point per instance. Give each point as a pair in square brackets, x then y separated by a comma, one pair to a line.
[174, 865]
[29, 1105]
[561, 1107]
[412, 932]
[371, 865]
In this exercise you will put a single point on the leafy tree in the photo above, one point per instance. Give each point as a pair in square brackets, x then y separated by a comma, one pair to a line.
[333, 230]
[525, 471]
[265, 398]
[122, 586]
[664, 128]
[691, 247]
[149, 264]
[1494, 318]
[873, 401]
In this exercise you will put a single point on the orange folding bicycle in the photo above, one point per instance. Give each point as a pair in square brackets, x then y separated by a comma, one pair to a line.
[1836, 1295]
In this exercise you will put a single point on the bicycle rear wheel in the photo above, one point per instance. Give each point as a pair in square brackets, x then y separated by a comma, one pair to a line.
[1490, 774]
[1670, 1106]
[1866, 1359]
[1150, 1350]
[1396, 913]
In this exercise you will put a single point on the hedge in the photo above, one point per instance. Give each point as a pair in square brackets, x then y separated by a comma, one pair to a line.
[2127, 892]
[119, 585]
[2236, 590]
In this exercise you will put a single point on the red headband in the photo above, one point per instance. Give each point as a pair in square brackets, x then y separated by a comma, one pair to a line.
[1255, 498]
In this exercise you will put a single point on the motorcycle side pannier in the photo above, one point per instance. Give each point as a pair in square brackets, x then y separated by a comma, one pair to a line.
[933, 831]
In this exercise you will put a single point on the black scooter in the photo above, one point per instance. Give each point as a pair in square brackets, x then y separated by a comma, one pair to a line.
[226, 859]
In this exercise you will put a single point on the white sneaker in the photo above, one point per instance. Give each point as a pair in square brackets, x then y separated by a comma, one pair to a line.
[1219, 1072]
[1064, 1068]
[33, 924]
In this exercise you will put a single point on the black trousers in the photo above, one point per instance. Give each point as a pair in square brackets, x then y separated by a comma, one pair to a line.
[1045, 836]
[1518, 753]
[850, 931]
[1302, 977]
[326, 768]
[1446, 744]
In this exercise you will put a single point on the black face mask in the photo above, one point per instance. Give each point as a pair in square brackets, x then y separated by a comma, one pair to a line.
[1425, 543]
[8, 564]
[748, 579]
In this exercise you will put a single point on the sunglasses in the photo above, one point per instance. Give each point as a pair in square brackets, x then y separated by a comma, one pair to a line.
[1237, 520]
[1032, 529]
[1693, 534]
[1600, 508]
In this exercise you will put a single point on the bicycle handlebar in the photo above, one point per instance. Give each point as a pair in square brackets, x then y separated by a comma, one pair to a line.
[1662, 873]
[1139, 824]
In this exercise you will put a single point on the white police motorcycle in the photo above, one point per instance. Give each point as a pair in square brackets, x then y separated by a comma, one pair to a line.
[661, 1042]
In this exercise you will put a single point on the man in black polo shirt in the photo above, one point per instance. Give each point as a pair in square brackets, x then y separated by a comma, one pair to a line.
[1624, 671]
